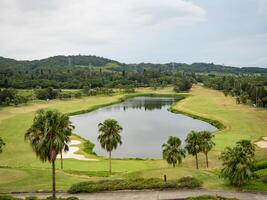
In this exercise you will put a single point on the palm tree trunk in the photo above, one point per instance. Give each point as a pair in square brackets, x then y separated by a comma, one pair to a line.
[109, 162]
[207, 160]
[61, 160]
[53, 180]
[196, 161]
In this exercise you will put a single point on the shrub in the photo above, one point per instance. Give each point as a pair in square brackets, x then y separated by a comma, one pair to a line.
[261, 164]
[208, 197]
[7, 197]
[189, 182]
[31, 198]
[78, 94]
[88, 147]
[134, 184]
[263, 179]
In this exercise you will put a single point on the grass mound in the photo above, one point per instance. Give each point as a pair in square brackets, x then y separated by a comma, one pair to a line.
[134, 184]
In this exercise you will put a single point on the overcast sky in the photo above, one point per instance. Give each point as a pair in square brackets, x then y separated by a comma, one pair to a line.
[230, 32]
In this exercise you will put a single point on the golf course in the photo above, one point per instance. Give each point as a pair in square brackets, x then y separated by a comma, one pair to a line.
[21, 171]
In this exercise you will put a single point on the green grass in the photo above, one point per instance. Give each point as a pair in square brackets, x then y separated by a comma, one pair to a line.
[30, 179]
[22, 171]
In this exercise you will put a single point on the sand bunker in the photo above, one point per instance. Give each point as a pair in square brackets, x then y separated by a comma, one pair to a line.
[262, 143]
[72, 149]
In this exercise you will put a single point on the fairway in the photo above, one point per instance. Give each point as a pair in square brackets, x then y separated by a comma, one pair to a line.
[22, 171]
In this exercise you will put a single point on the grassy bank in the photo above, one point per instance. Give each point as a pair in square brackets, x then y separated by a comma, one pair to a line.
[21, 171]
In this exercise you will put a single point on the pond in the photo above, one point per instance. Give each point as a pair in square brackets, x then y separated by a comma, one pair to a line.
[146, 123]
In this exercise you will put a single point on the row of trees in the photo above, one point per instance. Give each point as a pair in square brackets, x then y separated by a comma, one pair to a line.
[246, 89]
[196, 142]
[238, 161]
[77, 77]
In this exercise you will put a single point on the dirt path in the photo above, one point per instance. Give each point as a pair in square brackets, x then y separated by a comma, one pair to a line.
[153, 195]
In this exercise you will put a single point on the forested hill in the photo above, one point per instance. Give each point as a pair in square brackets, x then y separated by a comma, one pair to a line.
[55, 62]
[195, 67]
[79, 71]
[95, 61]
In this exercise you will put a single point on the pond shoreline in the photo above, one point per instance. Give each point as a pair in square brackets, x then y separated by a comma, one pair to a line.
[171, 109]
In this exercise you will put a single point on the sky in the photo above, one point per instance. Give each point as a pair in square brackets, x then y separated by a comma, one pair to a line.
[229, 32]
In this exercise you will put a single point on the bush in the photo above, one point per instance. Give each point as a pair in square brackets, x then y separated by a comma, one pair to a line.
[134, 184]
[78, 94]
[7, 197]
[263, 179]
[88, 147]
[208, 197]
[189, 182]
[261, 164]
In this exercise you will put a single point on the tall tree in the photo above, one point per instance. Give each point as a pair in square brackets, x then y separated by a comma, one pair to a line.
[109, 136]
[172, 151]
[206, 144]
[238, 163]
[47, 138]
[193, 144]
[2, 143]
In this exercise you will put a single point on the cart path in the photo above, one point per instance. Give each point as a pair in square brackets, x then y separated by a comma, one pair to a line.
[153, 195]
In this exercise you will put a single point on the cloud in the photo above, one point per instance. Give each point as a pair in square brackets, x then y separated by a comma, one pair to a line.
[262, 7]
[36, 27]
[242, 51]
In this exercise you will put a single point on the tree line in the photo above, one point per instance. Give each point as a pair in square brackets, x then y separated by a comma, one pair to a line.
[246, 89]
[11, 96]
[75, 72]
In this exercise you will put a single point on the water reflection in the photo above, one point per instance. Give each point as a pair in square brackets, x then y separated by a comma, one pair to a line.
[146, 126]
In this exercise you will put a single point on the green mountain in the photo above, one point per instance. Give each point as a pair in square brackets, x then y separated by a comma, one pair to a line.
[79, 71]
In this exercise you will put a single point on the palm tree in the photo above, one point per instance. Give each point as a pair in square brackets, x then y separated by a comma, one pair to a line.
[193, 144]
[247, 146]
[172, 151]
[207, 144]
[109, 137]
[238, 163]
[47, 139]
[2, 143]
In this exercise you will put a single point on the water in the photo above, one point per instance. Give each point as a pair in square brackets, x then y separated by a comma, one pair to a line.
[146, 123]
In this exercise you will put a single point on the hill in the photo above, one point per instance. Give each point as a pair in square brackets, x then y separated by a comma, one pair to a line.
[93, 71]
[96, 61]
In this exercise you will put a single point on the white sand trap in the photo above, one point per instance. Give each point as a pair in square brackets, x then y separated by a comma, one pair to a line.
[71, 153]
[262, 143]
